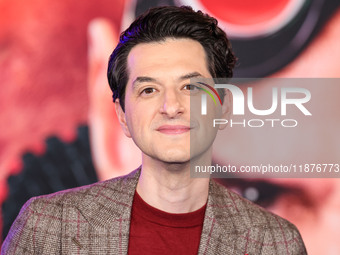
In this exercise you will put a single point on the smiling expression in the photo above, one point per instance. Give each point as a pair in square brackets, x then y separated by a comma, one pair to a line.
[157, 99]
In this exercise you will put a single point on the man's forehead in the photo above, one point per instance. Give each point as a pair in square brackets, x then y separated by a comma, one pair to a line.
[179, 58]
[146, 79]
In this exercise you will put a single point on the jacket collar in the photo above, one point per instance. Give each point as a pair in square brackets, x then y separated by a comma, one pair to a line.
[111, 202]
[223, 227]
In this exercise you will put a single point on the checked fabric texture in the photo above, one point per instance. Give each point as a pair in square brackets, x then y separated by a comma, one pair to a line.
[95, 219]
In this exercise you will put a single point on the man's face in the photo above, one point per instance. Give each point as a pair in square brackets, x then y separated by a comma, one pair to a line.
[157, 100]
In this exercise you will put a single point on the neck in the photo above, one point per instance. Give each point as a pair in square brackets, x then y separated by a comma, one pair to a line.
[169, 187]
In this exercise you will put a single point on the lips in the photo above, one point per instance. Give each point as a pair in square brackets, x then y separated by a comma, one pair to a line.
[173, 129]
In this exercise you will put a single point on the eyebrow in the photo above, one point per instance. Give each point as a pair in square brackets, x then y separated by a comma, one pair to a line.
[141, 79]
[190, 75]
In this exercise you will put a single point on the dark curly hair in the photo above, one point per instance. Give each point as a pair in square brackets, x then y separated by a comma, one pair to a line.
[160, 23]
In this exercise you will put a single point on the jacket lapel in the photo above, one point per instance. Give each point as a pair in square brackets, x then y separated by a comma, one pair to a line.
[100, 222]
[224, 229]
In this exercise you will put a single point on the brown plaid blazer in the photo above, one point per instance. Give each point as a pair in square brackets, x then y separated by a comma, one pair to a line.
[95, 219]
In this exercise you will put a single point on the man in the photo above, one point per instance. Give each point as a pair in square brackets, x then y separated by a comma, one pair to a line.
[158, 208]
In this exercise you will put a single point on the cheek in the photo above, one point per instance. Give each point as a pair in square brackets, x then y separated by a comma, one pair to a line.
[132, 123]
[136, 121]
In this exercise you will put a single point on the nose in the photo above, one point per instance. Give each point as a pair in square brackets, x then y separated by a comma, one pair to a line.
[172, 105]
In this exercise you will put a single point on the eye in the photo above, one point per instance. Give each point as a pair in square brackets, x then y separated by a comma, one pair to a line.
[191, 87]
[148, 91]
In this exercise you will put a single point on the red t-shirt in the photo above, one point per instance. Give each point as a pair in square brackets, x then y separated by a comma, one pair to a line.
[153, 231]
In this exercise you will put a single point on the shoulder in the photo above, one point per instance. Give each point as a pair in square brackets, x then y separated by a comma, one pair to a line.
[252, 214]
[255, 222]
[42, 219]
[76, 196]
[51, 206]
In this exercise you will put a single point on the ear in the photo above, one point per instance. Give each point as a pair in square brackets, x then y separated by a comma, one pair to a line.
[226, 107]
[122, 118]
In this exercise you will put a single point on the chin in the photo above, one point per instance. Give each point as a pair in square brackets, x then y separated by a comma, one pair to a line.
[175, 157]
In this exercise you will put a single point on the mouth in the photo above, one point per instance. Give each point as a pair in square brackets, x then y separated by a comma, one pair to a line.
[173, 129]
